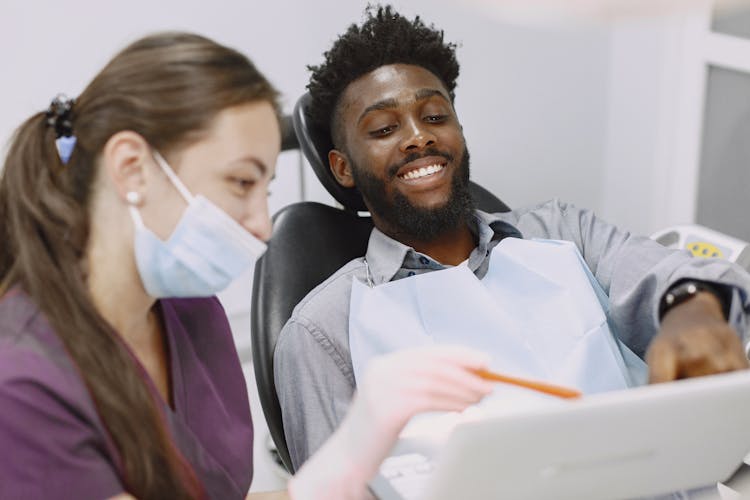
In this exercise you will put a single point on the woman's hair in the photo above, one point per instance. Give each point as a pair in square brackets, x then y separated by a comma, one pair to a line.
[166, 87]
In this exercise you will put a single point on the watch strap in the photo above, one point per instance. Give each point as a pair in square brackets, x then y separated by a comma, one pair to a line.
[684, 290]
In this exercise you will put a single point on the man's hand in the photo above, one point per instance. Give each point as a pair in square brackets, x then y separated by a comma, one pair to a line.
[694, 340]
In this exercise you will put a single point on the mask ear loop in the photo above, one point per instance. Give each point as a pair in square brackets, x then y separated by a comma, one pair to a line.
[136, 215]
[173, 177]
[134, 199]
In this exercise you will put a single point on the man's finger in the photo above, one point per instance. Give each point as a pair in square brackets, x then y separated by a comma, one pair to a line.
[738, 357]
[705, 352]
[702, 353]
[662, 362]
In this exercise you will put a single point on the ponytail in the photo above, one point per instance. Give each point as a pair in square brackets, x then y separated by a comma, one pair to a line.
[45, 227]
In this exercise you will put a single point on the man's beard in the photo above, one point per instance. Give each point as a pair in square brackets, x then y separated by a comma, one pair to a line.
[401, 217]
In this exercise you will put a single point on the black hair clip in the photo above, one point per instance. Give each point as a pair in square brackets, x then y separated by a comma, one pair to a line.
[60, 115]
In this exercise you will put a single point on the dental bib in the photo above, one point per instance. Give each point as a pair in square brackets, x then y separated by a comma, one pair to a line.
[538, 312]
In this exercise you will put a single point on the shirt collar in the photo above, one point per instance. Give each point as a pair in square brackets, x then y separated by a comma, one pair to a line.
[385, 256]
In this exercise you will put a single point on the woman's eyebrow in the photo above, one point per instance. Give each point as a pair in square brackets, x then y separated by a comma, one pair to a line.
[254, 160]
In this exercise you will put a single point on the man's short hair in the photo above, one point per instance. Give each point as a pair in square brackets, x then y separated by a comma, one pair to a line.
[385, 37]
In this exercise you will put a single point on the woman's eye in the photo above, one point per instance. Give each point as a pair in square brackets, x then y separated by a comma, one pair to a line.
[243, 184]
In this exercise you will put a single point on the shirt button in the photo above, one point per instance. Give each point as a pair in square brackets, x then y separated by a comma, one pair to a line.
[411, 273]
[423, 260]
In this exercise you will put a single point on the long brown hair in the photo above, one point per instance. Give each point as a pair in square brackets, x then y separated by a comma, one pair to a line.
[166, 87]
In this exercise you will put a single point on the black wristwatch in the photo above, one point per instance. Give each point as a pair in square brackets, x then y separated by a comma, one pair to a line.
[687, 289]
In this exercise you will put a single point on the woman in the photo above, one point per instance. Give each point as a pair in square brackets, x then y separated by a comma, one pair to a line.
[121, 214]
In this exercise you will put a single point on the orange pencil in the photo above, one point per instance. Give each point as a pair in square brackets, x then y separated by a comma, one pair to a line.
[554, 390]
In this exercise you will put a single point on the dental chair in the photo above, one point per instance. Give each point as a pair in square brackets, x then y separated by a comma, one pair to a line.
[705, 242]
[310, 242]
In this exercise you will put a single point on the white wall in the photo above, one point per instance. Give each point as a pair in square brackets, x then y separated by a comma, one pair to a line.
[657, 88]
[637, 110]
[533, 104]
[653, 122]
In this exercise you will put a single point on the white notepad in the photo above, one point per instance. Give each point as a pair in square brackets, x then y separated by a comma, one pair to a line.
[639, 442]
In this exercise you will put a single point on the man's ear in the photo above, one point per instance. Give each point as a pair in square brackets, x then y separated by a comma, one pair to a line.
[123, 157]
[341, 168]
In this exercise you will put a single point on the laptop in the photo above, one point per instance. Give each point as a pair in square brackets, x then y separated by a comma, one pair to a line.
[641, 442]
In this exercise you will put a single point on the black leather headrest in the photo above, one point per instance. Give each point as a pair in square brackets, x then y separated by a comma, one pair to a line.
[316, 144]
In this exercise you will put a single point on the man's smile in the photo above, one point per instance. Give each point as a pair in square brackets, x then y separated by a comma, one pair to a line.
[423, 170]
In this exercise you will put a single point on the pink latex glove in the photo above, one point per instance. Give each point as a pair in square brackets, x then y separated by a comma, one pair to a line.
[394, 388]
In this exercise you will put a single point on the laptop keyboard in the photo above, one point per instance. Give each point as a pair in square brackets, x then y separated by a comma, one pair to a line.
[408, 474]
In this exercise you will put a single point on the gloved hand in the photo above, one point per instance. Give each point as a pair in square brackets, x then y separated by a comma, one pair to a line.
[394, 388]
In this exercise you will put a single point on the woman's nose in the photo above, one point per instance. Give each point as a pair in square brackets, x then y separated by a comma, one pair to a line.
[258, 222]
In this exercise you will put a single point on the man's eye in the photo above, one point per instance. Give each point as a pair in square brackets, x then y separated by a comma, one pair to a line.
[382, 131]
[435, 118]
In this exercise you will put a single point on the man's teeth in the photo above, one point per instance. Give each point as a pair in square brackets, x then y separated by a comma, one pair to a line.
[422, 172]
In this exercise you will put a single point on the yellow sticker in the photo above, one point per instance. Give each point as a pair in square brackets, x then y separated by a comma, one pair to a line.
[704, 249]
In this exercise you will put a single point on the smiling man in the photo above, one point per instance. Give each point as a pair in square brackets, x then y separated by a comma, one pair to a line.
[417, 189]
[385, 92]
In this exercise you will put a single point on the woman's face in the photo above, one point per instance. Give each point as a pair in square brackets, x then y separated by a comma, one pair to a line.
[231, 166]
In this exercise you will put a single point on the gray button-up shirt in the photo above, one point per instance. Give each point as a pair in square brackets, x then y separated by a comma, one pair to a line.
[312, 364]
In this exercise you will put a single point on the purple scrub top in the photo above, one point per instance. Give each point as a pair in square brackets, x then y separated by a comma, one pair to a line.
[52, 441]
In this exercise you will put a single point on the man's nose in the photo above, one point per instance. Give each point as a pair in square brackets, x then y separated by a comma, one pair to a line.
[418, 136]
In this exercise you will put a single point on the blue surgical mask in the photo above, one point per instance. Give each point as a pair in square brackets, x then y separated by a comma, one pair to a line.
[205, 252]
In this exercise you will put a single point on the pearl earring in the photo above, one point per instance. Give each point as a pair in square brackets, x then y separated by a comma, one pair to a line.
[133, 197]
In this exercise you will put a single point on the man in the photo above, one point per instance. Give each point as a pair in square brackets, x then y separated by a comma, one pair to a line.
[385, 92]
